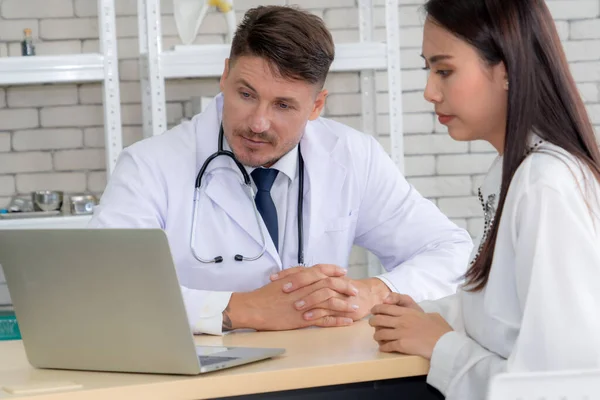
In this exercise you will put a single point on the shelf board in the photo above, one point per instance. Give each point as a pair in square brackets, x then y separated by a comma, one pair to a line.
[50, 69]
[62, 221]
[198, 61]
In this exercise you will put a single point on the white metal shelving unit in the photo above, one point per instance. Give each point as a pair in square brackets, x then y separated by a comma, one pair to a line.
[63, 222]
[92, 67]
[203, 61]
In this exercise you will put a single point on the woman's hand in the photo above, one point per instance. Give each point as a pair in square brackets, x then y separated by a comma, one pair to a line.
[407, 330]
[402, 300]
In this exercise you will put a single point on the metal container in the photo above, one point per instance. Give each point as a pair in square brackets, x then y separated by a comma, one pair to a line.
[47, 200]
[82, 203]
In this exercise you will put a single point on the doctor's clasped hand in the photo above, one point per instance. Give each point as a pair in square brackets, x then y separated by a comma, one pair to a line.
[300, 297]
[324, 294]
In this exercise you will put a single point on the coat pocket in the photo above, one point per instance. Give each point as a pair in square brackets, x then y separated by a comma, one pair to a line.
[341, 223]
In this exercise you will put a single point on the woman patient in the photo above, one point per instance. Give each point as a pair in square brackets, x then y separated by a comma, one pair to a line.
[531, 297]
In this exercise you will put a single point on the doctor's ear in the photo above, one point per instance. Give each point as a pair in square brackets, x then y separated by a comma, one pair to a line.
[319, 104]
[224, 75]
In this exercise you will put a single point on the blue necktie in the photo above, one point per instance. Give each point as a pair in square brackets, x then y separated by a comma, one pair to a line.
[264, 178]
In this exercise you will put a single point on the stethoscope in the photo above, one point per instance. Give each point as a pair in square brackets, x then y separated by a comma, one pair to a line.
[250, 192]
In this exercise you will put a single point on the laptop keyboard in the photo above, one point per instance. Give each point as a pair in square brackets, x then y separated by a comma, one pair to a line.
[209, 360]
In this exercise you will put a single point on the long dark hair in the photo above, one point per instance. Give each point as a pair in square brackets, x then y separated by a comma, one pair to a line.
[542, 94]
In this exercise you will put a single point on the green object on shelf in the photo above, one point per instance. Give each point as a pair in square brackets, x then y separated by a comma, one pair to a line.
[9, 329]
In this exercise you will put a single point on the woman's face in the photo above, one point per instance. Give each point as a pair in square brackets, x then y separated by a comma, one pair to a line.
[470, 97]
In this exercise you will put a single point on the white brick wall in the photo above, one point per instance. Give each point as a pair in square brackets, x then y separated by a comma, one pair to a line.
[13, 9]
[47, 139]
[7, 185]
[51, 136]
[18, 118]
[585, 29]
[577, 9]
[72, 116]
[79, 159]
[13, 29]
[69, 28]
[4, 142]
[25, 162]
[39, 96]
[68, 182]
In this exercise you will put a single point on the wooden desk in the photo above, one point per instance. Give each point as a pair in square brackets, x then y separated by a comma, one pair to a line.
[313, 358]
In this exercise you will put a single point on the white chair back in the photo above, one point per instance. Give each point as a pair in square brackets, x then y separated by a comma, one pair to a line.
[555, 385]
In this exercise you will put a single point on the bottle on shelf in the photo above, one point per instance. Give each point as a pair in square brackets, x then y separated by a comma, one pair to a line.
[27, 46]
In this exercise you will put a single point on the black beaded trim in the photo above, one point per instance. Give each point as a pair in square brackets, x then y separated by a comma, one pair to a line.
[489, 208]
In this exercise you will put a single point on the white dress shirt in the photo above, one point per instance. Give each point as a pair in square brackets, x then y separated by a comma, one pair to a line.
[540, 309]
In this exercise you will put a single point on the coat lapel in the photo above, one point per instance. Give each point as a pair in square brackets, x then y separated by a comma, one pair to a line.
[325, 176]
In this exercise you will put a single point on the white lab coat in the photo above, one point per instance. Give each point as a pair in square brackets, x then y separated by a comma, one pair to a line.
[353, 194]
[540, 310]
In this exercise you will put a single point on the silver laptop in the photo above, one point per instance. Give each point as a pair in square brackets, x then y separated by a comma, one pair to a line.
[106, 300]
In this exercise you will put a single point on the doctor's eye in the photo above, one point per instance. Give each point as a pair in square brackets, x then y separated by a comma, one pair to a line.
[283, 106]
[245, 95]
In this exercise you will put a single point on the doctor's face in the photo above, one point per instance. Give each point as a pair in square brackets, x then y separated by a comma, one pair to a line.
[264, 114]
[470, 96]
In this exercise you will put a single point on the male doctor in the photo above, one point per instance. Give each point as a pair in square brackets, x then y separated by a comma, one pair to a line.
[352, 193]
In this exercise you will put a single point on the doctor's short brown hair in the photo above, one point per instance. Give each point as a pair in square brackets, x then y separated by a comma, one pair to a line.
[296, 43]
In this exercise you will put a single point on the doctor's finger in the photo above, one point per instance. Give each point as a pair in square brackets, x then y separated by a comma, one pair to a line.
[313, 275]
[336, 304]
[331, 321]
[286, 272]
[321, 296]
[340, 285]
[302, 279]
[331, 270]
[325, 269]
[320, 313]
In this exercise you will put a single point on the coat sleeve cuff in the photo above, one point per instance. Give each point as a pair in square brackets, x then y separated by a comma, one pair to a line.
[443, 360]
[430, 306]
[387, 282]
[209, 319]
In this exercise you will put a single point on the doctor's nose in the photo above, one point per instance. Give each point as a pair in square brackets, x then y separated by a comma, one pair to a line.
[260, 121]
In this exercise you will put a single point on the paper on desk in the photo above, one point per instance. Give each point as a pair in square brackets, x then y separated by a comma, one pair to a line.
[41, 387]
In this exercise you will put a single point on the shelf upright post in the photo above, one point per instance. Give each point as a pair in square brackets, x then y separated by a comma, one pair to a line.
[368, 100]
[392, 26]
[151, 75]
[112, 105]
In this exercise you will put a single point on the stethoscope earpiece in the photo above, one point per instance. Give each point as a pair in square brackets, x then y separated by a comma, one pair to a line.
[239, 257]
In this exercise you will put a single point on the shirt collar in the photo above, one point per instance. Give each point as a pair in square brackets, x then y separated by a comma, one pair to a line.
[493, 179]
[288, 164]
